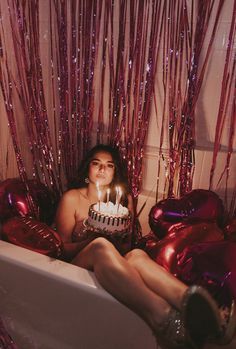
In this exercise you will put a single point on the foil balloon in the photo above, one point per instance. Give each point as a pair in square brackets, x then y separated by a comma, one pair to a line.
[147, 242]
[5, 339]
[14, 200]
[33, 235]
[230, 230]
[165, 252]
[212, 265]
[198, 204]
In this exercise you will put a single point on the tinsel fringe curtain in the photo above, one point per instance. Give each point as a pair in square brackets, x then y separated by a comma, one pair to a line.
[73, 73]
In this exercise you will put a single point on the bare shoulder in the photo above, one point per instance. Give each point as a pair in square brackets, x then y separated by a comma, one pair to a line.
[74, 196]
[69, 201]
[72, 193]
[71, 196]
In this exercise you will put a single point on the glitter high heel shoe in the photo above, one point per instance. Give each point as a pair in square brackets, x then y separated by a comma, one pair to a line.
[201, 315]
[172, 333]
[228, 325]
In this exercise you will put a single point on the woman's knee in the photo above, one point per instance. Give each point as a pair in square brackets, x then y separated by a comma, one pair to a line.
[136, 255]
[101, 245]
[95, 253]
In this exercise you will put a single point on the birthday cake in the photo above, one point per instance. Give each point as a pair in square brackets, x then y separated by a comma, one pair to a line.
[108, 217]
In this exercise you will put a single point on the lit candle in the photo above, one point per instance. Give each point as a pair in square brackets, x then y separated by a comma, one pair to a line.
[99, 195]
[99, 199]
[120, 194]
[117, 194]
[97, 186]
[119, 197]
[108, 195]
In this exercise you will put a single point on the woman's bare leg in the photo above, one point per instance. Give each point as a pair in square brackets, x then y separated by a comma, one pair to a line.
[123, 281]
[156, 278]
[151, 292]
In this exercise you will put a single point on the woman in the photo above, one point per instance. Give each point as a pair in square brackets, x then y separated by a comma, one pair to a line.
[167, 305]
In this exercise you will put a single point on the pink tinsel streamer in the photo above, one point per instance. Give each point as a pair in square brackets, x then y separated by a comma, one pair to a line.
[132, 72]
[115, 45]
[182, 79]
[73, 54]
[7, 92]
[29, 88]
[228, 94]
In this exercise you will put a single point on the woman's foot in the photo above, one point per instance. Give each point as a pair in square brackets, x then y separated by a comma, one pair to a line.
[201, 315]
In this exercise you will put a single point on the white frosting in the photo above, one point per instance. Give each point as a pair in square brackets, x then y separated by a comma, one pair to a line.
[111, 209]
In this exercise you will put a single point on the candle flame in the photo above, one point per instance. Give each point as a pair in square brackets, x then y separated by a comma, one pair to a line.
[108, 194]
[99, 194]
[118, 195]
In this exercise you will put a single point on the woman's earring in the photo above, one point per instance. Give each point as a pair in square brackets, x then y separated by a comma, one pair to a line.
[86, 180]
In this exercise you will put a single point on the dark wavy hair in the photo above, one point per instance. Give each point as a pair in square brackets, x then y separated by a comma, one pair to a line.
[120, 176]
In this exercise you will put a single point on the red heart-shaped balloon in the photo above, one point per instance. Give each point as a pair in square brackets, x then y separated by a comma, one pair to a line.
[212, 265]
[17, 198]
[199, 204]
[230, 230]
[165, 252]
[33, 235]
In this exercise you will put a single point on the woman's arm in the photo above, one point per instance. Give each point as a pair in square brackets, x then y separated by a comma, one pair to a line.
[131, 205]
[66, 215]
[65, 224]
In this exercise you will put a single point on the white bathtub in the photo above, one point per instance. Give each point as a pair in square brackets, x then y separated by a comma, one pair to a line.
[49, 304]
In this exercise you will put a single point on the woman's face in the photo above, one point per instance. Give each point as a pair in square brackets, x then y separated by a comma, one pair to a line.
[101, 169]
